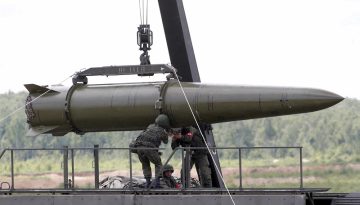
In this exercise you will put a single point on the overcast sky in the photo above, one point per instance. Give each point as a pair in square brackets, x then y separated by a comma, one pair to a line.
[297, 43]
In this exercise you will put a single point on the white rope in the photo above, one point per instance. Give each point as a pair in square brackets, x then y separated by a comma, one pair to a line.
[15, 111]
[22, 107]
[202, 135]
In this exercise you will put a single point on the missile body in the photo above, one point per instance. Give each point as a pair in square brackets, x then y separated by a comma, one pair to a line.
[119, 107]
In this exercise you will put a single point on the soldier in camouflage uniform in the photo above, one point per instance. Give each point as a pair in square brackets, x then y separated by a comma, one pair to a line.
[167, 180]
[192, 137]
[152, 138]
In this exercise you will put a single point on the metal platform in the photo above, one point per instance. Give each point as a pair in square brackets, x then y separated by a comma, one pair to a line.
[152, 199]
[174, 197]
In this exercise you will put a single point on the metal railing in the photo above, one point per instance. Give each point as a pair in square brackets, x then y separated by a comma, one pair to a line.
[185, 169]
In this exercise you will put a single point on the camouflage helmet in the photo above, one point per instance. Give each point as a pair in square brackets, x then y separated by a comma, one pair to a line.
[163, 121]
[168, 167]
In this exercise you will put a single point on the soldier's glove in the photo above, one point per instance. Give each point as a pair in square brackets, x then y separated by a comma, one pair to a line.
[176, 136]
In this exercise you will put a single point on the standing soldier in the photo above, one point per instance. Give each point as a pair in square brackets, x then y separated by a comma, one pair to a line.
[192, 137]
[152, 138]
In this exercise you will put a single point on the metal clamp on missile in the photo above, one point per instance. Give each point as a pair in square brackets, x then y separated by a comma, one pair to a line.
[140, 70]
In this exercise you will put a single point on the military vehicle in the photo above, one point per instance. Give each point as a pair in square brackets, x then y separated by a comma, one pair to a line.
[88, 107]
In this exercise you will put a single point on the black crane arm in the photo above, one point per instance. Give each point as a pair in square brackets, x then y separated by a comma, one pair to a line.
[178, 39]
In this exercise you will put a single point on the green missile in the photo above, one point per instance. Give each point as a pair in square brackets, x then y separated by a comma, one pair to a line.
[133, 106]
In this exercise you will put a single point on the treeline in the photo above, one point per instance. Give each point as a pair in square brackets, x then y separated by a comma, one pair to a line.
[328, 135]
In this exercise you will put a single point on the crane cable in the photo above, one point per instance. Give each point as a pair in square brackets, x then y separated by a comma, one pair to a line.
[202, 135]
[144, 13]
[142, 20]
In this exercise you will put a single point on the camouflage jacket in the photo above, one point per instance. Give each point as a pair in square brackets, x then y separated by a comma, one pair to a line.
[167, 182]
[152, 137]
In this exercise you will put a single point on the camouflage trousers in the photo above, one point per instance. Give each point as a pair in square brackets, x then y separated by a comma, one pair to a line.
[203, 169]
[146, 156]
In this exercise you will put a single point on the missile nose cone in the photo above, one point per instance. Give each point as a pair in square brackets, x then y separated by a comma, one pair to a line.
[317, 99]
[327, 98]
[326, 94]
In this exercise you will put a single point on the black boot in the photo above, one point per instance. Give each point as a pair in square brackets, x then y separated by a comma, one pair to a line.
[148, 182]
[157, 183]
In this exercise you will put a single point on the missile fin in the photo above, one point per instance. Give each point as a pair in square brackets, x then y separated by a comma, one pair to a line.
[35, 131]
[33, 88]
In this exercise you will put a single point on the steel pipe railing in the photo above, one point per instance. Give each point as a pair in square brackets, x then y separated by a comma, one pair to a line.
[184, 172]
